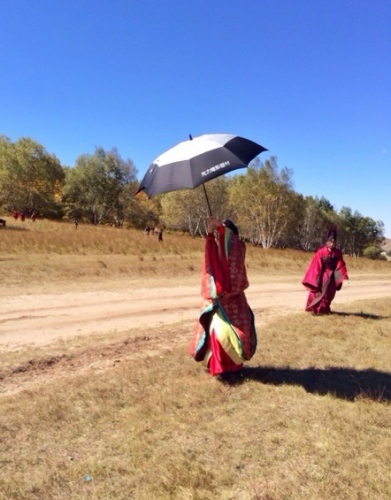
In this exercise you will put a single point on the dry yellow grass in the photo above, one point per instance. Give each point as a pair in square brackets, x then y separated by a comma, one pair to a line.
[46, 253]
[310, 418]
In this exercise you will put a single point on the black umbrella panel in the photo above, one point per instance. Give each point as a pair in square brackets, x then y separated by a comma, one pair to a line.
[196, 161]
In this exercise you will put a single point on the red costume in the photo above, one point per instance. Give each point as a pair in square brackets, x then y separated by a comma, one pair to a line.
[324, 277]
[225, 334]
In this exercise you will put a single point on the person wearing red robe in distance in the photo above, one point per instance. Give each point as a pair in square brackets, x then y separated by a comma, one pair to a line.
[224, 336]
[325, 274]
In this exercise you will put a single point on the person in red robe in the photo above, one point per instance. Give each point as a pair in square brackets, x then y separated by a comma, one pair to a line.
[325, 274]
[224, 336]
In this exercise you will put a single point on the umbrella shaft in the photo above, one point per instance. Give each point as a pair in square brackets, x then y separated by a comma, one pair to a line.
[207, 200]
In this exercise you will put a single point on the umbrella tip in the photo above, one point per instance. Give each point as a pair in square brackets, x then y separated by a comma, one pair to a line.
[190, 137]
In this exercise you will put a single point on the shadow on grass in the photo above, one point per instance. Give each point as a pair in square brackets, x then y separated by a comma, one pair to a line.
[15, 229]
[360, 315]
[343, 383]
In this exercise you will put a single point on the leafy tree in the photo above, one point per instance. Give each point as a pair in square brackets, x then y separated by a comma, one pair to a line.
[141, 212]
[324, 204]
[30, 178]
[93, 187]
[263, 197]
[188, 209]
[358, 232]
[292, 235]
[314, 221]
[184, 210]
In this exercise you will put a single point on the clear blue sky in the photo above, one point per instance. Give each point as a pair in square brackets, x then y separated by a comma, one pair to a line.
[308, 79]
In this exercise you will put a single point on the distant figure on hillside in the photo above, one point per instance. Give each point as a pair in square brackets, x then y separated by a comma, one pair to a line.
[224, 335]
[75, 223]
[325, 275]
[159, 232]
[147, 230]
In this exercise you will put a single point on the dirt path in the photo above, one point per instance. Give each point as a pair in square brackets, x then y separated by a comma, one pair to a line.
[40, 319]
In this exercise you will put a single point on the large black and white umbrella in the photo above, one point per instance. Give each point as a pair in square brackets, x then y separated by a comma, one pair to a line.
[196, 161]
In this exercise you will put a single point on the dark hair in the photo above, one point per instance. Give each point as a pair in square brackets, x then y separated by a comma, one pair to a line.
[228, 223]
[331, 233]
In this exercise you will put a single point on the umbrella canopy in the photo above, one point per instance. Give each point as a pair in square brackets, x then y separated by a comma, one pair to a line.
[196, 161]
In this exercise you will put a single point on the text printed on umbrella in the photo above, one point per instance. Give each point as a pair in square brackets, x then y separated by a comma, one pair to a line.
[215, 168]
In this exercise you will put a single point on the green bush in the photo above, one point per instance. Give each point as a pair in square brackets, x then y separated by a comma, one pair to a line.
[374, 253]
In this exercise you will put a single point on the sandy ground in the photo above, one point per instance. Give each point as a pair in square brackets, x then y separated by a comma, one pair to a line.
[39, 319]
[152, 318]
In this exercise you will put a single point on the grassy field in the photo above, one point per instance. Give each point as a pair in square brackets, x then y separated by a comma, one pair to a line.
[308, 419]
[48, 254]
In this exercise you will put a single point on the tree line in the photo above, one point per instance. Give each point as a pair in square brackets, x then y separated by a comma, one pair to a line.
[100, 188]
